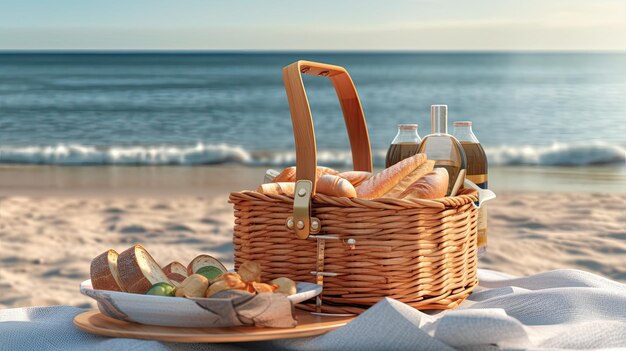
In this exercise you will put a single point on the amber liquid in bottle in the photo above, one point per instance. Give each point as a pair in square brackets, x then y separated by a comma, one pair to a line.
[477, 169]
[398, 152]
[404, 145]
[476, 163]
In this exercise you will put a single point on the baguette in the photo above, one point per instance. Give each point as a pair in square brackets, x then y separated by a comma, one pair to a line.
[103, 272]
[434, 185]
[289, 174]
[355, 177]
[417, 173]
[335, 186]
[139, 271]
[381, 183]
[282, 188]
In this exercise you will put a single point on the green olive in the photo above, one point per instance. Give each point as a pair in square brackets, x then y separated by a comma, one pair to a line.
[162, 289]
[210, 272]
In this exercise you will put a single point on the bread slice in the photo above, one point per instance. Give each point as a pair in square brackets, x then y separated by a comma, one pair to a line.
[175, 271]
[204, 261]
[381, 183]
[103, 272]
[355, 177]
[434, 185]
[139, 271]
[417, 173]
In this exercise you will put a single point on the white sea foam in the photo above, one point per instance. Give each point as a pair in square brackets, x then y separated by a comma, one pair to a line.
[558, 154]
[76, 154]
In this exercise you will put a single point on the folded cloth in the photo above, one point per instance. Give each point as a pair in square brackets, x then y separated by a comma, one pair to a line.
[228, 308]
[243, 308]
[563, 309]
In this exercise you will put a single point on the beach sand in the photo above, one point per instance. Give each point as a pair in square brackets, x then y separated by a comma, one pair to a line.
[50, 233]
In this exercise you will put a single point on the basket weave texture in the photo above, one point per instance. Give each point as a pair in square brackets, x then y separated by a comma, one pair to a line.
[423, 254]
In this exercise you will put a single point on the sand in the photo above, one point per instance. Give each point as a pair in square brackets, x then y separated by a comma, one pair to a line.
[47, 243]
[48, 238]
[530, 233]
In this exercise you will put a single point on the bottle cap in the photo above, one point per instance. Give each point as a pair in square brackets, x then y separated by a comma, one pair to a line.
[462, 123]
[439, 118]
[407, 126]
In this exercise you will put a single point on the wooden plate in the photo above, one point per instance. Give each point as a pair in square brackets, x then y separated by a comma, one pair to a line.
[308, 325]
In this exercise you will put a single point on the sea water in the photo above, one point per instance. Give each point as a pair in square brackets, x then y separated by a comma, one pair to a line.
[211, 108]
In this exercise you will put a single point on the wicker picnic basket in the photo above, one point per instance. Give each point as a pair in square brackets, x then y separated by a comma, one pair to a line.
[422, 253]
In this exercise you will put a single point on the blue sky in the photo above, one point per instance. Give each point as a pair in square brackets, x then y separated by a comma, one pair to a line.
[320, 25]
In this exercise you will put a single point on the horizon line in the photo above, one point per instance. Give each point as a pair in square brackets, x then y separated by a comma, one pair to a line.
[297, 51]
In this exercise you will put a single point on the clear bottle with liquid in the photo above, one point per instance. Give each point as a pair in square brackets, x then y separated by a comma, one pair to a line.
[442, 147]
[404, 145]
[476, 172]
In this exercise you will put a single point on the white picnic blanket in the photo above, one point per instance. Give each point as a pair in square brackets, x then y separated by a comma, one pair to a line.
[562, 309]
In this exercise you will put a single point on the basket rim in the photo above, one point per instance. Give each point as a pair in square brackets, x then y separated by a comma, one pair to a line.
[467, 196]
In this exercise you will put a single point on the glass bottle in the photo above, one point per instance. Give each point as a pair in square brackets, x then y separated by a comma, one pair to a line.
[476, 172]
[474, 153]
[442, 147]
[404, 145]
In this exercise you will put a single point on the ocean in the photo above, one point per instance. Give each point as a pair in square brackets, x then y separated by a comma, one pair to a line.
[529, 109]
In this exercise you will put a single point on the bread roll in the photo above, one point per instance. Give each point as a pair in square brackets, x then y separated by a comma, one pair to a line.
[282, 188]
[434, 185]
[381, 183]
[250, 271]
[103, 271]
[335, 186]
[355, 177]
[139, 271]
[289, 174]
[417, 173]
[285, 286]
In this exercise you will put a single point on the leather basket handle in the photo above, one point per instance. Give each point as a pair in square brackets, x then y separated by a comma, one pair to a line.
[306, 149]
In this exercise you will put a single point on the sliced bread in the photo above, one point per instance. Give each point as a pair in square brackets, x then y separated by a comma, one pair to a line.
[138, 271]
[204, 261]
[175, 271]
[103, 272]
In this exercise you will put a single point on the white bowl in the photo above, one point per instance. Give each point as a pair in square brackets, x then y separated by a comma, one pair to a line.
[169, 311]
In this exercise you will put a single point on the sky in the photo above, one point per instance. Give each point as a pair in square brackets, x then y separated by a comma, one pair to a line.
[433, 25]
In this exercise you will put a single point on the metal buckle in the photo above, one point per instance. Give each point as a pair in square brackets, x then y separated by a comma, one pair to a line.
[301, 222]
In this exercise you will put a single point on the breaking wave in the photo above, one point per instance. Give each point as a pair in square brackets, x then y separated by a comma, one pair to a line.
[558, 154]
